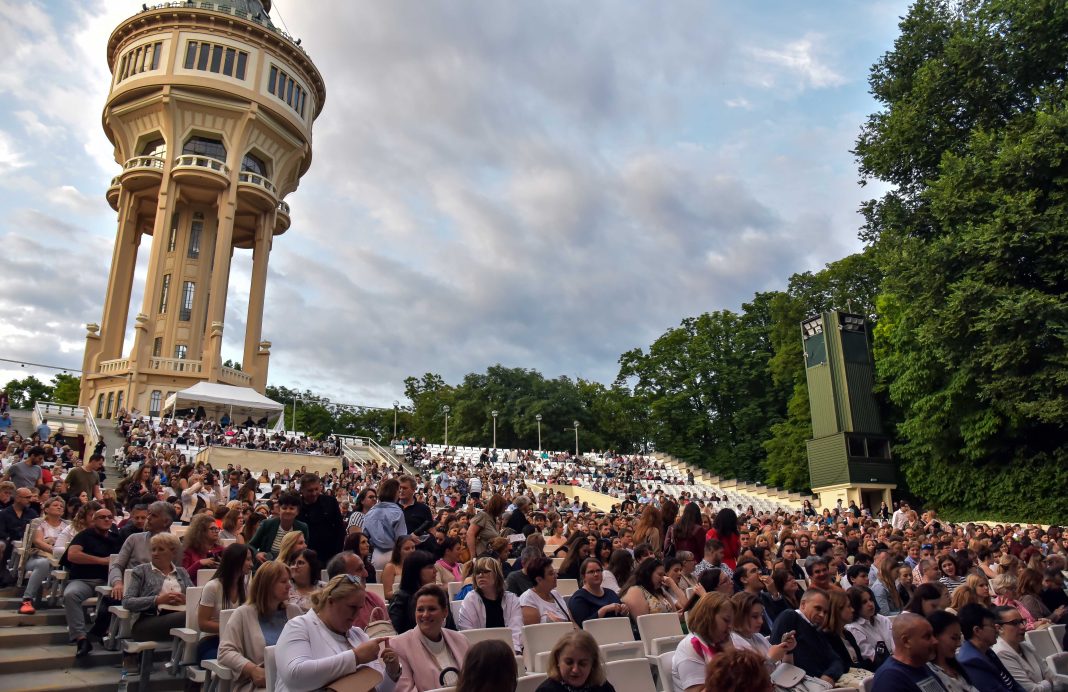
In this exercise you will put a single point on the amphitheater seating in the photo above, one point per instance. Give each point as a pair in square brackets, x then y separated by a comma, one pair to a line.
[615, 638]
[630, 675]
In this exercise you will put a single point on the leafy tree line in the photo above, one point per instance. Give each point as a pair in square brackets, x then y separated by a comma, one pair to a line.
[24, 393]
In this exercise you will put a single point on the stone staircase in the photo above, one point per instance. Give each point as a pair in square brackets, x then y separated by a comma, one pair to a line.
[35, 655]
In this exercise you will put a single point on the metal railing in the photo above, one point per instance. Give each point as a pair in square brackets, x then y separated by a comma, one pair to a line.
[198, 161]
[283, 208]
[67, 413]
[258, 180]
[225, 8]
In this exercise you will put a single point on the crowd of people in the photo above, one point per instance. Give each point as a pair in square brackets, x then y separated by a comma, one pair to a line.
[790, 600]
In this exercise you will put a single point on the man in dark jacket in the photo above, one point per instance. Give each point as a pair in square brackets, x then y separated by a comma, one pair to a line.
[417, 515]
[13, 522]
[322, 514]
[812, 653]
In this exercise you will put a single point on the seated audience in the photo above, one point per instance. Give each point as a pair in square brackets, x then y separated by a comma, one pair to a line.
[267, 541]
[977, 655]
[738, 671]
[431, 656]
[543, 603]
[710, 634]
[490, 605]
[256, 625]
[749, 618]
[304, 572]
[576, 665]
[872, 631]
[41, 556]
[448, 566]
[225, 591]
[592, 600]
[347, 562]
[841, 640]
[156, 592]
[87, 560]
[946, 629]
[488, 667]
[812, 652]
[391, 572]
[322, 646]
[1027, 668]
[652, 591]
[418, 571]
[200, 545]
[914, 647]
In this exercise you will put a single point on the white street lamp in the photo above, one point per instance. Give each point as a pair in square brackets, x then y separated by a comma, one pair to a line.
[494, 414]
[538, 418]
[447, 409]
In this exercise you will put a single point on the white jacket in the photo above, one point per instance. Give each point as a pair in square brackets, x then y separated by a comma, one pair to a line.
[1027, 669]
[868, 634]
[473, 615]
[212, 497]
[310, 655]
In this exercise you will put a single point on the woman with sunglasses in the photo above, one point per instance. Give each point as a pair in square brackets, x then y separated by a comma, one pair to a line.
[489, 604]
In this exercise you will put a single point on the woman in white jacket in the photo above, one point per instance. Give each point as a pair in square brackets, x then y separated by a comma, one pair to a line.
[203, 491]
[870, 629]
[489, 604]
[322, 646]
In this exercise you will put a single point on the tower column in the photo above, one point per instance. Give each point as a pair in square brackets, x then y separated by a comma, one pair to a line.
[261, 252]
[220, 280]
[120, 281]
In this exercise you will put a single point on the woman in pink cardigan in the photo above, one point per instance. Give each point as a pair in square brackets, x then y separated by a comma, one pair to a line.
[430, 655]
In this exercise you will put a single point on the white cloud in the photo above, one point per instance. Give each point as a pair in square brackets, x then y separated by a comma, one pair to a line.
[798, 62]
[10, 159]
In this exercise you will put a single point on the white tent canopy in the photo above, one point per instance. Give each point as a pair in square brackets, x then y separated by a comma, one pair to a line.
[217, 399]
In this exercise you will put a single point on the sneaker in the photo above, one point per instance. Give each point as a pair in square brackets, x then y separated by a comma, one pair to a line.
[27, 608]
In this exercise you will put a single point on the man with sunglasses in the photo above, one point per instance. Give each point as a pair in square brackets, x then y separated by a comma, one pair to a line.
[87, 563]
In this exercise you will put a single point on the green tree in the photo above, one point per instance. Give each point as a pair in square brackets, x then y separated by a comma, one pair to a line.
[66, 388]
[972, 342]
[24, 393]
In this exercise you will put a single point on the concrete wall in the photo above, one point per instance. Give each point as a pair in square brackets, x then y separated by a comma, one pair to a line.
[257, 460]
[596, 500]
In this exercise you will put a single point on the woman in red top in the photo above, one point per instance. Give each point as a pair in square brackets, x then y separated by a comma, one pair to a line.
[725, 530]
[687, 533]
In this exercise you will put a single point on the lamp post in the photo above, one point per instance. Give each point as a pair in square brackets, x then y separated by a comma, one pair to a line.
[494, 414]
[447, 409]
[576, 424]
[395, 405]
[295, 400]
[538, 418]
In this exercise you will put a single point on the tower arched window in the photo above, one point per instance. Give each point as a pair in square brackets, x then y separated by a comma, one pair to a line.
[202, 146]
[111, 400]
[253, 164]
[154, 401]
[118, 402]
[156, 147]
[100, 406]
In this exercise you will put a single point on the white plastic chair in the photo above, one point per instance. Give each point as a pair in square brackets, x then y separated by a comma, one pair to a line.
[378, 589]
[530, 682]
[1043, 643]
[615, 638]
[659, 632]
[221, 676]
[204, 576]
[630, 675]
[566, 587]
[270, 667]
[1058, 666]
[557, 561]
[1057, 633]
[868, 685]
[184, 653]
[483, 634]
[540, 639]
[663, 671]
[454, 588]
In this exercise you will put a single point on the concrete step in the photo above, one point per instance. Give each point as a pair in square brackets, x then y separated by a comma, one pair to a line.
[44, 616]
[32, 635]
[55, 657]
[95, 679]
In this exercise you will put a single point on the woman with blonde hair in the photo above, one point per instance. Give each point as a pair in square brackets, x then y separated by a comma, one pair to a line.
[292, 544]
[201, 546]
[576, 665]
[322, 646]
[711, 620]
[256, 625]
[489, 604]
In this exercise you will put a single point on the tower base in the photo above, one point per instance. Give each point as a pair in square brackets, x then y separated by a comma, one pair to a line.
[864, 494]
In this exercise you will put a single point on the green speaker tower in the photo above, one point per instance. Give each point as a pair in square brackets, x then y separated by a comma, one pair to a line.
[849, 455]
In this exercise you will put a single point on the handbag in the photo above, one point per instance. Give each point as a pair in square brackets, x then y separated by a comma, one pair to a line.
[380, 626]
[854, 677]
[787, 676]
[363, 680]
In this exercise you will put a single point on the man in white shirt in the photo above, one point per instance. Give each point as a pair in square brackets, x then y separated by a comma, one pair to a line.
[900, 516]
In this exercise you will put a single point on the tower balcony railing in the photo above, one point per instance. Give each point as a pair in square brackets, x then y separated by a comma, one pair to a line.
[281, 219]
[117, 366]
[142, 173]
[113, 192]
[203, 170]
[178, 365]
[150, 162]
[257, 191]
[226, 8]
[236, 377]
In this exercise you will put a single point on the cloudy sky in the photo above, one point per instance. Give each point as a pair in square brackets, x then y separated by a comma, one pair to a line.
[539, 184]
